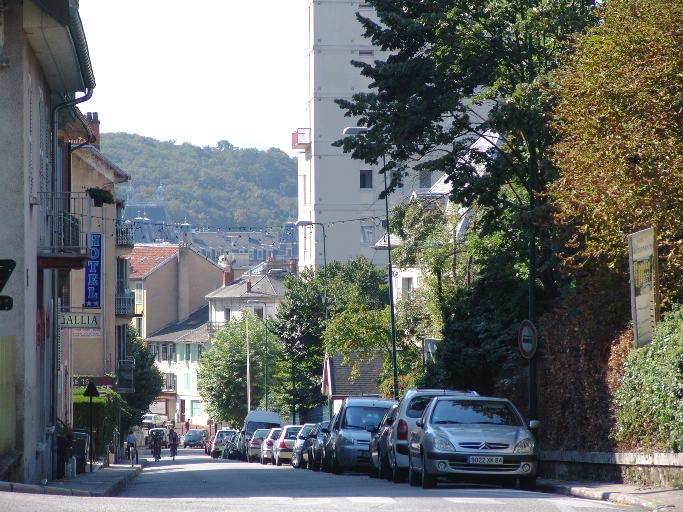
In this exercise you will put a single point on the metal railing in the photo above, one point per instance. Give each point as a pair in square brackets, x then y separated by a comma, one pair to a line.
[66, 223]
[125, 304]
[125, 234]
[214, 326]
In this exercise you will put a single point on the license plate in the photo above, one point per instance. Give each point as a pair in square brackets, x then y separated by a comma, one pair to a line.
[484, 460]
[364, 454]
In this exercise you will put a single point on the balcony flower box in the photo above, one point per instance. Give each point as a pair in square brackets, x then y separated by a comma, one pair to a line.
[100, 196]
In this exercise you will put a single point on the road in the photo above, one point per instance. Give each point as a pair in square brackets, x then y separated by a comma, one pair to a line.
[195, 482]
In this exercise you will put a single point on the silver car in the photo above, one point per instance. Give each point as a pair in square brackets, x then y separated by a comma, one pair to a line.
[410, 409]
[254, 444]
[358, 418]
[298, 460]
[267, 446]
[284, 444]
[469, 435]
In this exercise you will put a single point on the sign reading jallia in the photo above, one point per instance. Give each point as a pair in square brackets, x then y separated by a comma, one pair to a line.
[642, 261]
[80, 320]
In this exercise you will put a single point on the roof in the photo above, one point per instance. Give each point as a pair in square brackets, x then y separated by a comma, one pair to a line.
[263, 286]
[145, 259]
[191, 330]
[229, 239]
[147, 218]
[336, 377]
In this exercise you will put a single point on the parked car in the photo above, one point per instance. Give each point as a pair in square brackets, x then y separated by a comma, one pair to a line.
[379, 458]
[410, 408]
[162, 432]
[217, 446]
[358, 417]
[326, 460]
[298, 460]
[267, 446]
[195, 437]
[254, 445]
[284, 445]
[151, 420]
[312, 450]
[472, 435]
[208, 443]
[253, 421]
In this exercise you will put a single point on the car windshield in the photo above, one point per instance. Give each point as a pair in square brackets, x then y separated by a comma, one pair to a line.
[262, 432]
[474, 412]
[303, 433]
[275, 433]
[362, 416]
[194, 432]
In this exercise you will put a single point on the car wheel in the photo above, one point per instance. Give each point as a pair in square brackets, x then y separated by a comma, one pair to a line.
[373, 473]
[303, 464]
[278, 461]
[428, 481]
[184, 445]
[398, 475]
[336, 468]
[383, 470]
[528, 483]
[413, 476]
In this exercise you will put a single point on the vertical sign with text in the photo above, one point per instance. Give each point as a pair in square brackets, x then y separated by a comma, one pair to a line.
[642, 252]
[93, 272]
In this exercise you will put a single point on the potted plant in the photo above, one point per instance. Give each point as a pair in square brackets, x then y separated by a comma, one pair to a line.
[100, 196]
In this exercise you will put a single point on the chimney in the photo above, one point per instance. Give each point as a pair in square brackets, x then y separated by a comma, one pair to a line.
[292, 266]
[248, 286]
[271, 263]
[94, 122]
[228, 276]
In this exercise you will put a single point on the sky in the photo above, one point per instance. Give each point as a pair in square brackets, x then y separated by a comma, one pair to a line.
[199, 71]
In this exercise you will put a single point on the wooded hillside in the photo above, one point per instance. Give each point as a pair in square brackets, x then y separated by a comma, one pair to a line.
[218, 187]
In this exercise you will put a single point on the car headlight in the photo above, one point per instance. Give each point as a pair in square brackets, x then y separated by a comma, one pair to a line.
[443, 444]
[342, 439]
[525, 446]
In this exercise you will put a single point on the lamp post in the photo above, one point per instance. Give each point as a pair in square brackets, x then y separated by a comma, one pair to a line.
[244, 310]
[358, 130]
[311, 223]
[265, 312]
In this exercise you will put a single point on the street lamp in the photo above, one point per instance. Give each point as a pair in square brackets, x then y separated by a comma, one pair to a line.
[311, 223]
[245, 310]
[358, 130]
[265, 312]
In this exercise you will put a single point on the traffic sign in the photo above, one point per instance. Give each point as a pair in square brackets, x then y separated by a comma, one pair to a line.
[527, 339]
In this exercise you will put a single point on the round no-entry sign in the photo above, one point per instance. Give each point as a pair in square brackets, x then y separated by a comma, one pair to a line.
[527, 339]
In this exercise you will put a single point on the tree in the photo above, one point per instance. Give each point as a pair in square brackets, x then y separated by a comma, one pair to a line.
[620, 149]
[222, 374]
[147, 377]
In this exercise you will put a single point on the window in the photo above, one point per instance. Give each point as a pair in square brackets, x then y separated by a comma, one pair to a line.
[122, 275]
[367, 233]
[138, 292]
[226, 315]
[259, 254]
[407, 288]
[164, 352]
[200, 349]
[181, 351]
[366, 53]
[425, 179]
[171, 351]
[187, 380]
[365, 178]
[121, 342]
[187, 352]
[140, 326]
[258, 312]
[170, 381]
[196, 408]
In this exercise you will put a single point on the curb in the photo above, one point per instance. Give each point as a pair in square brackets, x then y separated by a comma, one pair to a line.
[591, 494]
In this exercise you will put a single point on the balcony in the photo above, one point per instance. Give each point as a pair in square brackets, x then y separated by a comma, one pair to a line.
[125, 234]
[125, 304]
[64, 231]
[212, 327]
[301, 138]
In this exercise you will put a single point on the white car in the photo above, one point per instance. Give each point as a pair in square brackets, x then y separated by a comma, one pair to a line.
[151, 420]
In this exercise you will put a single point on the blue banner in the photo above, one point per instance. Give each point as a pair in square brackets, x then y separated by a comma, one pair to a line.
[93, 272]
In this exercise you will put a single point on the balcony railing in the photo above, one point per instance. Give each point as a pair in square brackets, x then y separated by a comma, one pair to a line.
[214, 326]
[125, 304]
[125, 234]
[65, 230]
[301, 138]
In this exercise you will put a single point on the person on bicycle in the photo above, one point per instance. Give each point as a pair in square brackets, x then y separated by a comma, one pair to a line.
[130, 442]
[173, 441]
[155, 445]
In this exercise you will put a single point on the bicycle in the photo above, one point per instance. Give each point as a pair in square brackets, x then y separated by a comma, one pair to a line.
[174, 451]
[133, 454]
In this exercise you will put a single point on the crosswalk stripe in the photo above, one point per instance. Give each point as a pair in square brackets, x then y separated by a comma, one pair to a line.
[482, 501]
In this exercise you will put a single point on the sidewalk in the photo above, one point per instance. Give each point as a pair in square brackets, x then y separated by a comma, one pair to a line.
[103, 481]
[108, 481]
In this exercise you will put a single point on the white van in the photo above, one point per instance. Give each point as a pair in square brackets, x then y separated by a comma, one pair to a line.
[254, 421]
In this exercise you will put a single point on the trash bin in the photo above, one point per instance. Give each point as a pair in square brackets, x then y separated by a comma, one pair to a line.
[81, 441]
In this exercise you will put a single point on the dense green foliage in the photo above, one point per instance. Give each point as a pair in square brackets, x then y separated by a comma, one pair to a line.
[222, 376]
[148, 381]
[105, 415]
[215, 187]
[650, 398]
[620, 149]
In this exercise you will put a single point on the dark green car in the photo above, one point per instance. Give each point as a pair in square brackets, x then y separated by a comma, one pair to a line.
[195, 437]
